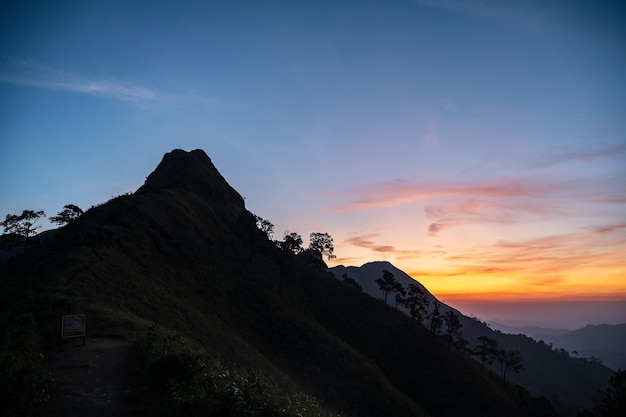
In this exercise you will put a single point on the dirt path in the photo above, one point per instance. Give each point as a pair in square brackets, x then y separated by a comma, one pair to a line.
[93, 380]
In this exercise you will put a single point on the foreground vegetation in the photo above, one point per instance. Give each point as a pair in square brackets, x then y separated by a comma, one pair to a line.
[181, 378]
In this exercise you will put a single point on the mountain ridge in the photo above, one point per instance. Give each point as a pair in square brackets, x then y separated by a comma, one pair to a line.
[575, 388]
[181, 268]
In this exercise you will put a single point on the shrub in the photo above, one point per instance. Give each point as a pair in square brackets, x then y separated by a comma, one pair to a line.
[198, 384]
[24, 379]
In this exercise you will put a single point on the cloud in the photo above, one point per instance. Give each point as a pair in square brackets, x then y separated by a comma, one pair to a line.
[435, 228]
[589, 261]
[504, 201]
[584, 155]
[475, 211]
[33, 74]
[124, 91]
[500, 201]
[396, 193]
[366, 241]
[437, 274]
[608, 228]
[594, 247]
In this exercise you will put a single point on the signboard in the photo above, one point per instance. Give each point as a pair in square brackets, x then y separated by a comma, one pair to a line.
[73, 326]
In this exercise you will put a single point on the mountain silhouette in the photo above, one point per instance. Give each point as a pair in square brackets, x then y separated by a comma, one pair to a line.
[193, 172]
[551, 371]
[223, 321]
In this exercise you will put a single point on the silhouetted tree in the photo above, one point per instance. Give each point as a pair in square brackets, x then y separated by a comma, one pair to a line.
[292, 242]
[23, 225]
[417, 302]
[453, 326]
[436, 321]
[69, 213]
[265, 226]
[509, 360]
[611, 401]
[486, 351]
[322, 243]
[400, 293]
[386, 284]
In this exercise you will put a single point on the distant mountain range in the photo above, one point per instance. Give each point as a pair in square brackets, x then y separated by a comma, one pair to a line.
[531, 331]
[604, 341]
[571, 379]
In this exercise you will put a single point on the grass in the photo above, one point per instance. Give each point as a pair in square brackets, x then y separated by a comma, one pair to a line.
[183, 378]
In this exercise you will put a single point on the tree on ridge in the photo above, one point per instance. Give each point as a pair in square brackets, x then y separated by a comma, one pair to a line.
[436, 320]
[23, 225]
[265, 226]
[417, 302]
[400, 294]
[292, 242]
[322, 243]
[486, 351]
[69, 213]
[509, 360]
[386, 284]
[453, 327]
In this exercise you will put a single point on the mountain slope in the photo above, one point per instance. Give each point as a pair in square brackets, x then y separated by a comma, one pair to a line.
[570, 382]
[180, 267]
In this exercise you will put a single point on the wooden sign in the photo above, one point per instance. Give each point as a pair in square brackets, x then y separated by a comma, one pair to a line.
[73, 326]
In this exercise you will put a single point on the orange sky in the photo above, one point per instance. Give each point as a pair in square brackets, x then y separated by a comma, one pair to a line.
[492, 241]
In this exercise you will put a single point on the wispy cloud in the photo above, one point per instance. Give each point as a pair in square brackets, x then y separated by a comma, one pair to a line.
[111, 89]
[591, 154]
[40, 76]
[595, 247]
[503, 201]
[608, 228]
[588, 261]
[368, 241]
[474, 211]
[33, 74]
[393, 194]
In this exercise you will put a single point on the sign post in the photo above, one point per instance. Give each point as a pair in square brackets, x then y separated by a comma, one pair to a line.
[73, 326]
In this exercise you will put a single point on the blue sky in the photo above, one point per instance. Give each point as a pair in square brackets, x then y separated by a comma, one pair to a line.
[444, 136]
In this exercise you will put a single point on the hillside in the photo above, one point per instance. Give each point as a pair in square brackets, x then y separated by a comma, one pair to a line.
[223, 321]
[570, 382]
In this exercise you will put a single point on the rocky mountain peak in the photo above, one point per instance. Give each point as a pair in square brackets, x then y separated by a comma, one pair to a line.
[194, 172]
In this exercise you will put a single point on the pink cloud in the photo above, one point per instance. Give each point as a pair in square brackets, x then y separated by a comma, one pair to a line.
[608, 229]
[366, 241]
[396, 193]
[598, 247]
[475, 211]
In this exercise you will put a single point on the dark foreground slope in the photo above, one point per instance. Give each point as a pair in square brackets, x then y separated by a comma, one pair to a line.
[226, 323]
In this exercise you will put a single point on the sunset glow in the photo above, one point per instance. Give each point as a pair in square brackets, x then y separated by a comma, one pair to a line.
[480, 146]
[519, 240]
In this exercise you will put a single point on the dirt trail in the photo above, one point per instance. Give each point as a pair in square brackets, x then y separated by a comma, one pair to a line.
[94, 380]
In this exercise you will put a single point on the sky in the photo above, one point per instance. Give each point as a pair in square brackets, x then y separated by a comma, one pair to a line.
[478, 145]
